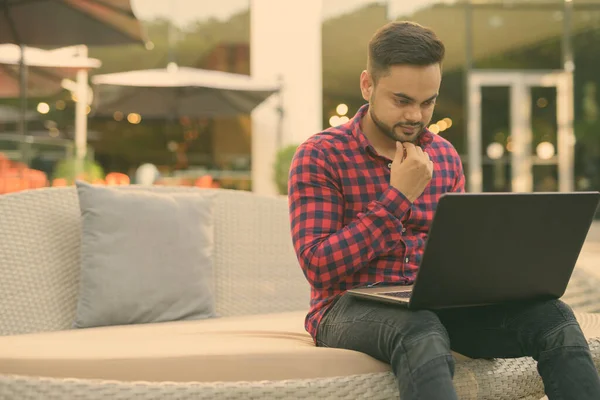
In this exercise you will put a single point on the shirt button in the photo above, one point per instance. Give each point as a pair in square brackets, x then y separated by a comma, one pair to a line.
[403, 230]
[406, 259]
[390, 165]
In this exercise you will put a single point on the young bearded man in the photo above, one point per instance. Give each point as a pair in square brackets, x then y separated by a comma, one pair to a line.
[362, 197]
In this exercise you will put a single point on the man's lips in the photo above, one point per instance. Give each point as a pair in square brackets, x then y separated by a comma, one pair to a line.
[409, 130]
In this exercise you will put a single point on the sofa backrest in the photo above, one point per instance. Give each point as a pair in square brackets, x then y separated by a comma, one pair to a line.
[255, 267]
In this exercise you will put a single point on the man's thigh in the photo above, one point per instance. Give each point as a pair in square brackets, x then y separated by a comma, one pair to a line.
[504, 331]
[378, 329]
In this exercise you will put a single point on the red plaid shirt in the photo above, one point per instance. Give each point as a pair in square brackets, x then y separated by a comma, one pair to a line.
[349, 226]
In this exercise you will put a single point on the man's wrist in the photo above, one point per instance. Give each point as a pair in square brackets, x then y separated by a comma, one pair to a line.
[395, 202]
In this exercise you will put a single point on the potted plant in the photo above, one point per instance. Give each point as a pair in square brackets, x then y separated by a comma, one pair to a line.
[65, 171]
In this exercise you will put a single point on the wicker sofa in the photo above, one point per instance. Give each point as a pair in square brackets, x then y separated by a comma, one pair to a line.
[257, 349]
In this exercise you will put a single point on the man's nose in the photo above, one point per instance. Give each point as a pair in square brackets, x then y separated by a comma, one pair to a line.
[413, 114]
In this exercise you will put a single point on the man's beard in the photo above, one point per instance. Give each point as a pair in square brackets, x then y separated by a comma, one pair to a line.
[391, 132]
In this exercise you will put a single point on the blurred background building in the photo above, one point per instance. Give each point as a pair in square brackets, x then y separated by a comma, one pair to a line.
[519, 95]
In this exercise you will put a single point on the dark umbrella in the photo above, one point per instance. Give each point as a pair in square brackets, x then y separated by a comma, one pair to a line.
[59, 23]
[179, 91]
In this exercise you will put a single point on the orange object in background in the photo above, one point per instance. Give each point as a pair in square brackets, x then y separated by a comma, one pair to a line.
[15, 177]
[37, 179]
[205, 181]
[117, 179]
[59, 182]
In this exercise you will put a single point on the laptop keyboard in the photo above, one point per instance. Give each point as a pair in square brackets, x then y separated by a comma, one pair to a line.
[401, 295]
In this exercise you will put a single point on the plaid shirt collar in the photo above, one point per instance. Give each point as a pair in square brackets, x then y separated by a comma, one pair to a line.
[354, 128]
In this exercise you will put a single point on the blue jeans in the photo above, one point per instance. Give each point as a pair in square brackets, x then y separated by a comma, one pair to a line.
[418, 344]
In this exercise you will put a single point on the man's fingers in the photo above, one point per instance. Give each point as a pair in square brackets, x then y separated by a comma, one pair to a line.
[411, 150]
[399, 147]
[400, 152]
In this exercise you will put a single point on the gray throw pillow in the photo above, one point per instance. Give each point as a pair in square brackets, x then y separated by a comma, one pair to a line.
[145, 256]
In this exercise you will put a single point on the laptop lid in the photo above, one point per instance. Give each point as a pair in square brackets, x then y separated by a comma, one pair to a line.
[486, 248]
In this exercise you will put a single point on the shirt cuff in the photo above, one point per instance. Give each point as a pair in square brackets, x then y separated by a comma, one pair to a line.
[395, 202]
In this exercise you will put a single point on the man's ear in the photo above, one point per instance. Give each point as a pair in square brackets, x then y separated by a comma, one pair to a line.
[366, 85]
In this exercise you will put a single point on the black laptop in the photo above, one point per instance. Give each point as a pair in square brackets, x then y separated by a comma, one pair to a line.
[490, 248]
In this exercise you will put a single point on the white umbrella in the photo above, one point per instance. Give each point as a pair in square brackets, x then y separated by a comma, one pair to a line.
[34, 57]
[178, 91]
[47, 69]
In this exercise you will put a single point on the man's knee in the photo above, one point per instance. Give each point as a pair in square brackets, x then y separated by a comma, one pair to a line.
[557, 309]
[421, 324]
[552, 324]
[424, 340]
[562, 333]
[426, 349]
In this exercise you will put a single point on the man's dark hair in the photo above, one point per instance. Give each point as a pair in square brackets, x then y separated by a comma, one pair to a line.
[403, 43]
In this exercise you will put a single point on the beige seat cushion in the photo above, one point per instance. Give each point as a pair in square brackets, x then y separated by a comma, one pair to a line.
[266, 347]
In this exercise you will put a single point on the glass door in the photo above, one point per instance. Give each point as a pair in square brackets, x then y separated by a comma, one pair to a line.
[518, 152]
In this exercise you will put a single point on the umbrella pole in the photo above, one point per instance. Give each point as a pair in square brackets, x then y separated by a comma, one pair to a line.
[81, 117]
[25, 145]
[280, 114]
[23, 92]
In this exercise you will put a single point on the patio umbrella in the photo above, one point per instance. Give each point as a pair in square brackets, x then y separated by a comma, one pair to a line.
[58, 23]
[178, 91]
[47, 69]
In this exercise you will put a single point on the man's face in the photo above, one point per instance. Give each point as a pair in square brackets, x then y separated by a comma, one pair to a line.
[401, 104]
